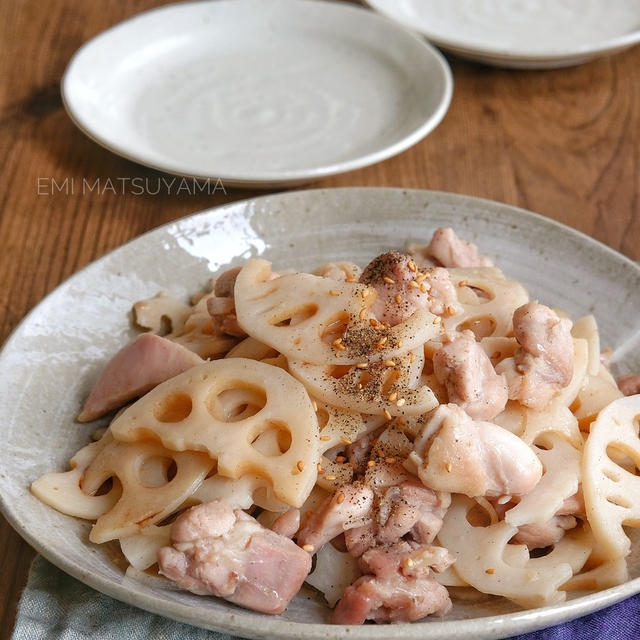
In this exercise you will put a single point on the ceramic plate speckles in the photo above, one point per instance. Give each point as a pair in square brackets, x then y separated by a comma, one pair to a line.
[51, 360]
[532, 34]
[257, 93]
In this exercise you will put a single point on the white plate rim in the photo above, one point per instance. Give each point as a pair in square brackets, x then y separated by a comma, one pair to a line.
[231, 621]
[272, 178]
[503, 56]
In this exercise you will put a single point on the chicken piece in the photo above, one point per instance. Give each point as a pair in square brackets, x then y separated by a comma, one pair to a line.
[447, 249]
[223, 314]
[540, 535]
[397, 587]
[348, 507]
[629, 384]
[456, 454]
[405, 508]
[359, 452]
[465, 370]
[443, 299]
[402, 290]
[222, 307]
[224, 552]
[543, 365]
[134, 370]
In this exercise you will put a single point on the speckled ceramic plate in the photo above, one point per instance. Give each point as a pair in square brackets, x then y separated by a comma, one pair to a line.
[51, 360]
[257, 93]
[526, 34]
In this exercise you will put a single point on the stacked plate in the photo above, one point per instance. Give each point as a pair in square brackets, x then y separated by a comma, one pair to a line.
[526, 34]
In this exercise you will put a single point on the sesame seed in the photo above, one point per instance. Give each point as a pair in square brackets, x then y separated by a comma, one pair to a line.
[412, 266]
[386, 414]
[490, 571]
[371, 463]
[314, 404]
[300, 466]
[331, 477]
[346, 440]
[424, 288]
[340, 459]
[363, 314]
[390, 460]
[309, 548]
[393, 396]
[420, 277]
[359, 386]
[398, 298]
[325, 438]
[334, 292]
[450, 310]
[412, 357]
[448, 467]
[320, 469]
[389, 280]
[373, 322]
[463, 283]
[361, 365]
[399, 344]
[340, 498]
[389, 363]
[383, 340]
[414, 285]
[408, 562]
[437, 320]
[401, 402]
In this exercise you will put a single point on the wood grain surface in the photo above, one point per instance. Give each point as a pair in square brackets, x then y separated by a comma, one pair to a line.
[564, 143]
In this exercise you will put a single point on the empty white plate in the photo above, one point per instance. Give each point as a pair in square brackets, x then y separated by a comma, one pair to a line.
[521, 33]
[257, 93]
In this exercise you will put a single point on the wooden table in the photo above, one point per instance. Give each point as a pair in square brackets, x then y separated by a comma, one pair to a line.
[564, 143]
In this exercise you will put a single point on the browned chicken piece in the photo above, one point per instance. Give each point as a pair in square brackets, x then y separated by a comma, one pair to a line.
[226, 282]
[221, 551]
[359, 452]
[134, 370]
[543, 365]
[540, 535]
[397, 586]
[400, 509]
[629, 384]
[465, 370]
[460, 455]
[402, 290]
[222, 307]
[447, 249]
[348, 507]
